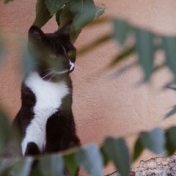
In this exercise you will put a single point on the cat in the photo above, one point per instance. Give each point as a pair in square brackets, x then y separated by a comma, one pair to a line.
[45, 119]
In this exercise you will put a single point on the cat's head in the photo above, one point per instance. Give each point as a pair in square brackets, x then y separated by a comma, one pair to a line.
[54, 53]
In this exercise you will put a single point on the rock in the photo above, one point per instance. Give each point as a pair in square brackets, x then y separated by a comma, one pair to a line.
[159, 166]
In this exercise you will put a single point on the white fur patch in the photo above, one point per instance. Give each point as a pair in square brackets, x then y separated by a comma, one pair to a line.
[72, 65]
[49, 97]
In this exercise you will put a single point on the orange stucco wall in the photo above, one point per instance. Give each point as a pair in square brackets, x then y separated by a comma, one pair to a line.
[102, 105]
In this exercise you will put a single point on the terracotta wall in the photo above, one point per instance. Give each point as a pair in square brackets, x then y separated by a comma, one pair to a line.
[103, 105]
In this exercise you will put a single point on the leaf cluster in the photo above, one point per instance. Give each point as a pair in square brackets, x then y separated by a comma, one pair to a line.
[79, 12]
[91, 158]
[146, 44]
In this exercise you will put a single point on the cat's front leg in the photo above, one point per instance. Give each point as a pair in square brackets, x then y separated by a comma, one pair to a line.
[33, 141]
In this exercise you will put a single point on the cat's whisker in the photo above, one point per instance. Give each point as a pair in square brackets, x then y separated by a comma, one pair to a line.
[48, 74]
[53, 73]
[51, 77]
[61, 72]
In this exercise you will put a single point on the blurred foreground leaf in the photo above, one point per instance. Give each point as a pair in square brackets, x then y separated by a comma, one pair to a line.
[171, 112]
[117, 151]
[138, 149]
[55, 5]
[28, 62]
[122, 56]
[52, 165]
[169, 44]
[171, 140]
[80, 12]
[71, 165]
[153, 140]
[2, 49]
[64, 15]
[7, 1]
[6, 165]
[90, 159]
[23, 167]
[5, 130]
[145, 49]
[120, 30]
[104, 157]
[84, 11]
[42, 14]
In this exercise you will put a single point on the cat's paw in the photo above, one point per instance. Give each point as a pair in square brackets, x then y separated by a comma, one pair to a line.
[32, 149]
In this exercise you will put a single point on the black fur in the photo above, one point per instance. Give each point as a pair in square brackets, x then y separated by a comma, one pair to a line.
[60, 127]
[66, 125]
[25, 114]
[32, 149]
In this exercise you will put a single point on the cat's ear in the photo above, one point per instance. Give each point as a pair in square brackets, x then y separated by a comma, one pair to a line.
[35, 33]
[65, 30]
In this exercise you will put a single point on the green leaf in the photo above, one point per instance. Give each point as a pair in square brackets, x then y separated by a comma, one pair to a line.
[58, 14]
[42, 14]
[145, 49]
[171, 112]
[52, 165]
[80, 12]
[169, 44]
[6, 164]
[23, 168]
[2, 49]
[28, 63]
[171, 140]
[27, 166]
[71, 165]
[104, 156]
[5, 172]
[5, 131]
[153, 140]
[120, 30]
[84, 11]
[138, 149]
[7, 1]
[64, 15]
[90, 159]
[55, 5]
[36, 169]
[117, 151]
[9, 138]
[122, 56]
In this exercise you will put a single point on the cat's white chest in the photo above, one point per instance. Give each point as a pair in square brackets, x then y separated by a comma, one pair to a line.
[48, 94]
[49, 97]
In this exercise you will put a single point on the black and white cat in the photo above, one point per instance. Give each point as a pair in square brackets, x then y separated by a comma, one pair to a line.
[45, 119]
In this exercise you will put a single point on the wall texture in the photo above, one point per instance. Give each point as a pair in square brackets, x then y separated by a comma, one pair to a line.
[103, 105]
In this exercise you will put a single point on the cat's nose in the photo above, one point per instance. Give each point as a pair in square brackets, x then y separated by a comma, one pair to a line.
[71, 66]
